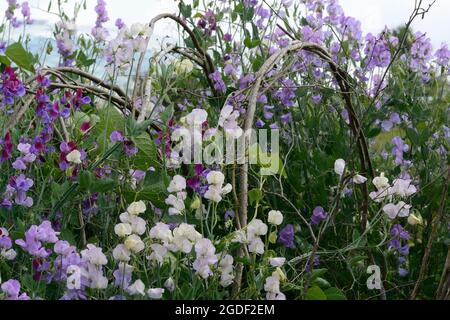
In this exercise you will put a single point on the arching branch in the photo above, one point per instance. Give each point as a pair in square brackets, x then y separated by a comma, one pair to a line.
[342, 79]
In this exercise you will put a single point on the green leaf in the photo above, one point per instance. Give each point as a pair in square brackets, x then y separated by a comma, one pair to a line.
[5, 61]
[147, 154]
[257, 63]
[85, 178]
[321, 282]
[255, 195]
[315, 293]
[413, 136]
[334, 294]
[20, 56]
[83, 60]
[167, 114]
[109, 121]
[68, 236]
[373, 133]
[249, 43]
[318, 273]
[186, 10]
[104, 185]
[154, 189]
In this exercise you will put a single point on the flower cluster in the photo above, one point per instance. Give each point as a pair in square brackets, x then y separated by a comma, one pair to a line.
[272, 286]
[216, 189]
[205, 258]
[251, 237]
[400, 235]
[120, 51]
[11, 289]
[36, 238]
[65, 41]
[10, 88]
[130, 229]
[6, 250]
[176, 202]
[99, 32]
[17, 190]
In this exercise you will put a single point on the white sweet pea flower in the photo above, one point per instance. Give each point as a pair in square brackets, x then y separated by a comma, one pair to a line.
[196, 118]
[123, 230]
[391, 210]
[177, 184]
[228, 121]
[158, 254]
[121, 253]
[184, 237]
[214, 193]
[98, 280]
[400, 210]
[74, 157]
[184, 66]
[256, 245]
[136, 208]
[139, 29]
[257, 227]
[134, 243]
[156, 293]
[137, 288]
[339, 167]
[240, 236]
[94, 255]
[176, 203]
[162, 232]
[381, 182]
[275, 218]
[138, 225]
[9, 255]
[403, 209]
[415, 220]
[216, 178]
[227, 189]
[277, 262]
[272, 284]
[170, 285]
[403, 188]
[359, 179]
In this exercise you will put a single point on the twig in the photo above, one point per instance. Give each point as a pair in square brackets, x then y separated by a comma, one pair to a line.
[434, 230]
[443, 292]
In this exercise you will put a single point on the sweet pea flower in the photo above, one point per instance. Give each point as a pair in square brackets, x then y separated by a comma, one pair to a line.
[136, 208]
[74, 157]
[277, 262]
[156, 293]
[275, 217]
[339, 167]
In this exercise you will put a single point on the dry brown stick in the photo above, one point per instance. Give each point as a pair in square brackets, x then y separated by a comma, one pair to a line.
[342, 79]
[92, 78]
[443, 291]
[207, 66]
[91, 89]
[20, 113]
[436, 220]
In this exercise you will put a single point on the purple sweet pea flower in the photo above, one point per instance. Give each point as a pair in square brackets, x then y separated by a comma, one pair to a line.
[116, 136]
[287, 236]
[319, 215]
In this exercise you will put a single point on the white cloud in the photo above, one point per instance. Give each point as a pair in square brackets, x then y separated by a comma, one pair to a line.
[375, 14]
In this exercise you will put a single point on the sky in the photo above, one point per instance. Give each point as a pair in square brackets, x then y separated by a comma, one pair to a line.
[374, 14]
